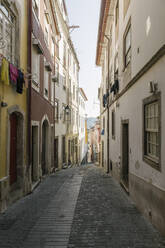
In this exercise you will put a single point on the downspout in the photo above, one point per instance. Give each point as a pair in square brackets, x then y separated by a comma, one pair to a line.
[108, 166]
[54, 122]
[29, 50]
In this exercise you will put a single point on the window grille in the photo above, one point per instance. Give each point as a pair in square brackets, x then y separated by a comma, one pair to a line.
[7, 33]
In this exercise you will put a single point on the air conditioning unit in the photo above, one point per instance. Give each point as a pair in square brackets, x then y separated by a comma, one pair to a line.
[55, 78]
[48, 66]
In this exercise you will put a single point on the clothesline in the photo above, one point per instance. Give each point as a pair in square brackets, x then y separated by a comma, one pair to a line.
[26, 74]
[114, 88]
[10, 74]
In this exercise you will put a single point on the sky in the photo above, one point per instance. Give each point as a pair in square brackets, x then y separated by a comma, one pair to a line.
[85, 13]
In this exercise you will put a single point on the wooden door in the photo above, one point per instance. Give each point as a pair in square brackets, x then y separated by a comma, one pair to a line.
[63, 150]
[56, 153]
[102, 153]
[34, 153]
[44, 149]
[13, 148]
[125, 154]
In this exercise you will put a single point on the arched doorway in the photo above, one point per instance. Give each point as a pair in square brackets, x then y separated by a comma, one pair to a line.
[45, 143]
[35, 155]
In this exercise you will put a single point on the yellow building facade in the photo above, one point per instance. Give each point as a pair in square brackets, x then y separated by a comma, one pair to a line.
[13, 100]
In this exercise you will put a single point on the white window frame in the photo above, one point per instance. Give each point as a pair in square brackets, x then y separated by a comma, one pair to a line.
[35, 69]
[52, 92]
[74, 88]
[52, 47]
[64, 81]
[36, 3]
[46, 84]
[46, 31]
[127, 46]
[56, 109]
[64, 54]
[63, 113]
[152, 130]
[57, 72]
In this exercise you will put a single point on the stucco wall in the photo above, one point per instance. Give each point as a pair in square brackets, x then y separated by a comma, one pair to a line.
[150, 36]
[8, 93]
[130, 107]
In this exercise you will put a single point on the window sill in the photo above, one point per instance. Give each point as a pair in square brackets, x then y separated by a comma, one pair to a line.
[153, 163]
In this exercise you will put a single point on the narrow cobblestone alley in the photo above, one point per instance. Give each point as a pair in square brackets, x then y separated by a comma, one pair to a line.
[74, 208]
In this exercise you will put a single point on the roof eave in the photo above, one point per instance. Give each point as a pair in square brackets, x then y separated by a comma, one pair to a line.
[104, 10]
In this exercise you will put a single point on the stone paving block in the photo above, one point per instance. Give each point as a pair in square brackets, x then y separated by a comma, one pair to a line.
[31, 220]
[104, 216]
[66, 203]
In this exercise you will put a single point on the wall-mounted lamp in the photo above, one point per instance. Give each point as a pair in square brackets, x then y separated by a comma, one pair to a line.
[4, 104]
[67, 110]
[71, 28]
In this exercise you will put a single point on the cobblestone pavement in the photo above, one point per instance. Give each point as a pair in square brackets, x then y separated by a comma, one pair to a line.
[75, 208]
[42, 219]
[105, 217]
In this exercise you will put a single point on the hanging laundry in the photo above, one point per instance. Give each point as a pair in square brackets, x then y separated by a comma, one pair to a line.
[107, 95]
[5, 72]
[13, 72]
[112, 88]
[104, 100]
[102, 132]
[20, 82]
[115, 87]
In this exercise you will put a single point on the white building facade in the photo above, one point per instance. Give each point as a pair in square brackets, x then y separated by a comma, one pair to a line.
[61, 68]
[73, 103]
[131, 45]
[82, 126]
[67, 109]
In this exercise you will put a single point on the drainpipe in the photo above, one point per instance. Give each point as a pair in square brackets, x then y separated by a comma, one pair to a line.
[108, 167]
[29, 5]
[54, 122]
